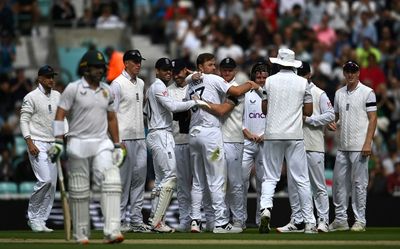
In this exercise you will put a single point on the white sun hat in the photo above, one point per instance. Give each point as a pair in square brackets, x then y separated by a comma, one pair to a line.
[286, 58]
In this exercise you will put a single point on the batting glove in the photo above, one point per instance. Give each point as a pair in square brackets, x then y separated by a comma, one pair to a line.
[118, 155]
[56, 150]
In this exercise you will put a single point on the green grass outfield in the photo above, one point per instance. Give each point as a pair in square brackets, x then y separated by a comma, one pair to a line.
[372, 238]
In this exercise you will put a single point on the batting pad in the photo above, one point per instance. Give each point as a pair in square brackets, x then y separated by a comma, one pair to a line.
[155, 196]
[79, 201]
[110, 201]
[167, 189]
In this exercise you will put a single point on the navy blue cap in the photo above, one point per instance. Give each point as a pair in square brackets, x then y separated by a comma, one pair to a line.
[46, 70]
[164, 64]
[351, 67]
[133, 55]
[178, 65]
[227, 63]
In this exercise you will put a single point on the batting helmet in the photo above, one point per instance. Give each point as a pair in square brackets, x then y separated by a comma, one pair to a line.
[92, 58]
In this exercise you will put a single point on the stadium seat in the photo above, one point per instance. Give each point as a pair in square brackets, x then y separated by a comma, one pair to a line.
[8, 188]
[26, 187]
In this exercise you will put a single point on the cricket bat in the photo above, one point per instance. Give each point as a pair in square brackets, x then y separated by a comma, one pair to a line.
[64, 202]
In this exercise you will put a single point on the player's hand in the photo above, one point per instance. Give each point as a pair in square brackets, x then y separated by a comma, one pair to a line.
[56, 150]
[366, 149]
[331, 126]
[119, 154]
[203, 104]
[196, 76]
[254, 86]
[32, 148]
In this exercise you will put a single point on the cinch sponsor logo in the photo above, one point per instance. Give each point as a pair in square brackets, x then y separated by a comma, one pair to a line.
[256, 115]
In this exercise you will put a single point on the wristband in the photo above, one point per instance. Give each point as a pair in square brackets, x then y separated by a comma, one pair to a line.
[58, 128]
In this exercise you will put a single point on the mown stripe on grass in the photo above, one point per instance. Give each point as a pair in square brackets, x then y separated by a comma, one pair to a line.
[221, 242]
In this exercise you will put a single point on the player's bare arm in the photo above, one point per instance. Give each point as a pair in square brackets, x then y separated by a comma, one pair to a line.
[237, 91]
[220, 110]
[367, 147]
[308, 109]
[113, 126]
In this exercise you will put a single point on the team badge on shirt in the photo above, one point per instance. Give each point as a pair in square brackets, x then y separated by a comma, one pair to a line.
[165, 93]
[105, 93]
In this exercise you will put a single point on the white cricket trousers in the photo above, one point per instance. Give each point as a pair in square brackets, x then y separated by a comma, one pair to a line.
[316, 170]
[293, 151]
[133, 177]
[350, 178]
[209, 171]
[235, 188]
[184, 178]
[252, 157]
[42, 198]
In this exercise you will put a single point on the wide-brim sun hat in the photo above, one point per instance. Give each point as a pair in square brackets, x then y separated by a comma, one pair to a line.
[286, 57]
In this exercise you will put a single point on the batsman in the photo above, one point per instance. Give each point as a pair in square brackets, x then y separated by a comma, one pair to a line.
[88, 106]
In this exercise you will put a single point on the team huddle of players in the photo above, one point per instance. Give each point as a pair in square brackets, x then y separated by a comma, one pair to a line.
[206, 134]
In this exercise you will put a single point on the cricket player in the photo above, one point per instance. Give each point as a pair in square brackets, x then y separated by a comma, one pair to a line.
[37, 115]
[355, 121]
[88, 105]
[158, 110]
[285, 95]
[128, 91]
[233, 146]
[206, 143]
[177, 90]
[313, 129]
[253, 131]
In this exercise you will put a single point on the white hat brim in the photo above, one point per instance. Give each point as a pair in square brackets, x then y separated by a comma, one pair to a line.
[294, 63]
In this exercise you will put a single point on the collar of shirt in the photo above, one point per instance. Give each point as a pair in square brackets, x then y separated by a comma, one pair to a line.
[358, 85]
[41, 88]
[85, 84]
[131, 79]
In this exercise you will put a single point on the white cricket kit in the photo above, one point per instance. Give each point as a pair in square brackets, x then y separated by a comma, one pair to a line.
[159, 108]
[286, 92]
[37, 115]
[350, 174]
[233, 147]
[89, 146]
[128, 102]
[206, 148]
[254, 121]
[184, 174]
[313, 129]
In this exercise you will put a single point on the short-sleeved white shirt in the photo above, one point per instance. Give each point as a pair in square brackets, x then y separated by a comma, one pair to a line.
[87, 109]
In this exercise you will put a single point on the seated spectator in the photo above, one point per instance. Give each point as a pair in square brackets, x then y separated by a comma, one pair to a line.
[363, 51]
[27, 15]
[7, 103]
[20, 85]
[364, 29]
[393, 181]
[107, 20]
[324, 33]
[63, 13]
[7, 52]
[372, 75]
[6, 169]
[6, 18]
[86, 20]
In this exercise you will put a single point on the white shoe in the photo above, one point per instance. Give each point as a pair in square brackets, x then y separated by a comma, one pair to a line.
[291, 228]
[195, 226]
[228, 228]
[83, 241]
[163, 228]
[323, 226]
[140, 228]
[264, 222]
[36, 227]
[46, 229]
[125, 227]
[310, 228]
[113, 239]
[338, 226]
[358, 227]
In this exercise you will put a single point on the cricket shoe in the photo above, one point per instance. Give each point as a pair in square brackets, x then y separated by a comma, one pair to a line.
[264, 221]
[337, 225]
[195, 226]
[163, 228]
[291, 228]
[227, 228]
[310, 228]
[113, 239]
[140, 228]
[82, 241]
[358, 227]
[125, 227]
[323, 226]
[36, 227]
[46, 229]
